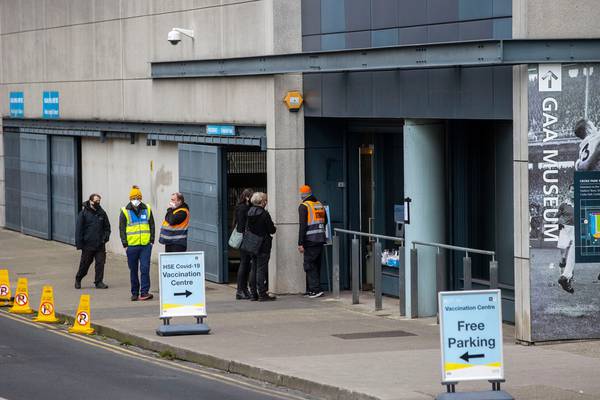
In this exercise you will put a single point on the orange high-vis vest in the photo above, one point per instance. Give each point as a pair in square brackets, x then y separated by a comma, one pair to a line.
[315, 232]
[175, 234]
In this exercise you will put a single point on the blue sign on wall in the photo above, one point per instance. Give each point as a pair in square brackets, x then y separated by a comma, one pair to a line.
[17, 104]
[220, 130]
[471, 335]
[182, 284]
[50, 105]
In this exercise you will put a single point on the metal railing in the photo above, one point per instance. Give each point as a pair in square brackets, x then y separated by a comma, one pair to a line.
[355, 266]
[402, 269]
[440, 261]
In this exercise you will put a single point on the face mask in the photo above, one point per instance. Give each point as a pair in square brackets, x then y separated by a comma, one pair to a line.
[96, 204]
[172, 205]
[135, 202]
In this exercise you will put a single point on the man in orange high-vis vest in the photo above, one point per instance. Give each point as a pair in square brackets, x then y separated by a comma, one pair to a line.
[174, 229]
[311, 238]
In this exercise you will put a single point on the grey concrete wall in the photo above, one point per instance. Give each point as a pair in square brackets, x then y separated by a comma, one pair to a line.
[97, 53]
[111, 168]
[536, 19]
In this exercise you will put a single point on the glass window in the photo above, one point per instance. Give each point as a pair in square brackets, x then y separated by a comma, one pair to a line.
[384, 37]
[502, 8]
[335, 41]
[503, 28]
[474, 9]
[333, 16]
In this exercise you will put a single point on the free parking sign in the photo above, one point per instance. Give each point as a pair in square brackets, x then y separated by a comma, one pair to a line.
[182, 284]
[471, 335]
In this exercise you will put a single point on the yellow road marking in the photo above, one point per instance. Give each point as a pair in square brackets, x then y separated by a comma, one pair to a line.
[160, 362]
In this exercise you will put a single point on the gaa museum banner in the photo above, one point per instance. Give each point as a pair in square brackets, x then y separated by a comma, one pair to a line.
[564, 200]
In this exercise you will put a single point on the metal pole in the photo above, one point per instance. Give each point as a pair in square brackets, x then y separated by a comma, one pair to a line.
[440, 265]
[355, 267]
[402, 283]
[336, 266]
[377, 272]
[414, 284]
[493, 274]
[467, 274]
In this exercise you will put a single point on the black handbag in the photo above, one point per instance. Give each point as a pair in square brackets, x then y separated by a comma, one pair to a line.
[251, 243]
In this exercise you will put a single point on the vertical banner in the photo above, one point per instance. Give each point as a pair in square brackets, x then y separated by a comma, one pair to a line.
[50, 105]
[16, 104]
[564, 200]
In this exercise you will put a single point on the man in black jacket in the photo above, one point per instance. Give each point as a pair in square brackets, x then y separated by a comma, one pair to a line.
[91, 234]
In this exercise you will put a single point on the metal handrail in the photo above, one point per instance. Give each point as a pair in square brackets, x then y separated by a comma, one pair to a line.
[372, 235]
[457, 248]
[375, 259]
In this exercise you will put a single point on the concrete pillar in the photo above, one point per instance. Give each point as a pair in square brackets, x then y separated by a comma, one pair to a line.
[285, 174]
[424, 183]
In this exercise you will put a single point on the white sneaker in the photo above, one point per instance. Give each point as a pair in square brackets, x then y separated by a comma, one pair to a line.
[315, 295]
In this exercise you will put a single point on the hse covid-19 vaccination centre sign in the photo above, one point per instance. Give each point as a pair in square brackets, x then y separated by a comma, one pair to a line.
[182, 285]
[471, 335]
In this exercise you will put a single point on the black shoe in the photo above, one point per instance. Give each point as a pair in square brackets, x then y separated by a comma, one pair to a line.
[314, 295]
[77, 285]
[242, 296]
[599, 277]
[146, 296]
[566, 284]
[101, 285]
[267, 297]
[134, 297]
[253, 297]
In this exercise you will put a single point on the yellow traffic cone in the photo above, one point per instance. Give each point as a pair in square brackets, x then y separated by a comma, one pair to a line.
[82, 323]
[21, 303]
[46, 311]
[5, 294]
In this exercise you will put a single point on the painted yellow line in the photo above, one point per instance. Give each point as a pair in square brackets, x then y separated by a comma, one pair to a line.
[160, 362]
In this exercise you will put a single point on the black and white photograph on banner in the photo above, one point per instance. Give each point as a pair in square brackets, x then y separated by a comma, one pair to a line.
[564, 230]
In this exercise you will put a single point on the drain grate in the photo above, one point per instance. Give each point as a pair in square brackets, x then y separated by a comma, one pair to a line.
[373, 335]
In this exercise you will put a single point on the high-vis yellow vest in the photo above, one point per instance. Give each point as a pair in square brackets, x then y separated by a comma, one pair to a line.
[315, 232]
[138, 228]
[175, 234]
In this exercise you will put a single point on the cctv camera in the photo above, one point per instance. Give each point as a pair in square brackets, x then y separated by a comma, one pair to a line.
[174, 36]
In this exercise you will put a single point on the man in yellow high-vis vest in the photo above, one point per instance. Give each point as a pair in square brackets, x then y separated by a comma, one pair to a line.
[136, 227]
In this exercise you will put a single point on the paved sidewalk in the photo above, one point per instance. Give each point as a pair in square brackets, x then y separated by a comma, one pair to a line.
[291, 341]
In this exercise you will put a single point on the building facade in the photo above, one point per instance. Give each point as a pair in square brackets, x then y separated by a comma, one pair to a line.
[82, 113]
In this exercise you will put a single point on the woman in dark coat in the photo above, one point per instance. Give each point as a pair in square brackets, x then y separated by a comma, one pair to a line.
[261, 224]
[241, 213]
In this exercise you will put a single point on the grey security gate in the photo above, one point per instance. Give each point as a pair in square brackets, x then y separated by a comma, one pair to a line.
[202, 182]
[12, 180]
[65, 192]
[35, 185]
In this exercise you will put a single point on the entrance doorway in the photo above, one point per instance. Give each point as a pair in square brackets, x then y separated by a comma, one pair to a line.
[375, 177]
[245, 169]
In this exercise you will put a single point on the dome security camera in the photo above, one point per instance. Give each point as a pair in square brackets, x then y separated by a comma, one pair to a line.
[174, 36]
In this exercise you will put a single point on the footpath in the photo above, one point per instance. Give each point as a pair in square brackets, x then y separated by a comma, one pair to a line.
[324, 347]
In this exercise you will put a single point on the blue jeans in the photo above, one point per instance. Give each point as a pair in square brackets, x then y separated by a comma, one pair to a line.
[138, 257]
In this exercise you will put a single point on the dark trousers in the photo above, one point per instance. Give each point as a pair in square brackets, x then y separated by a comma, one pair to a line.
[243, 271]
[87, 257]
[312, 267]
[259, 274]
[138, 260]
[175, 248]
